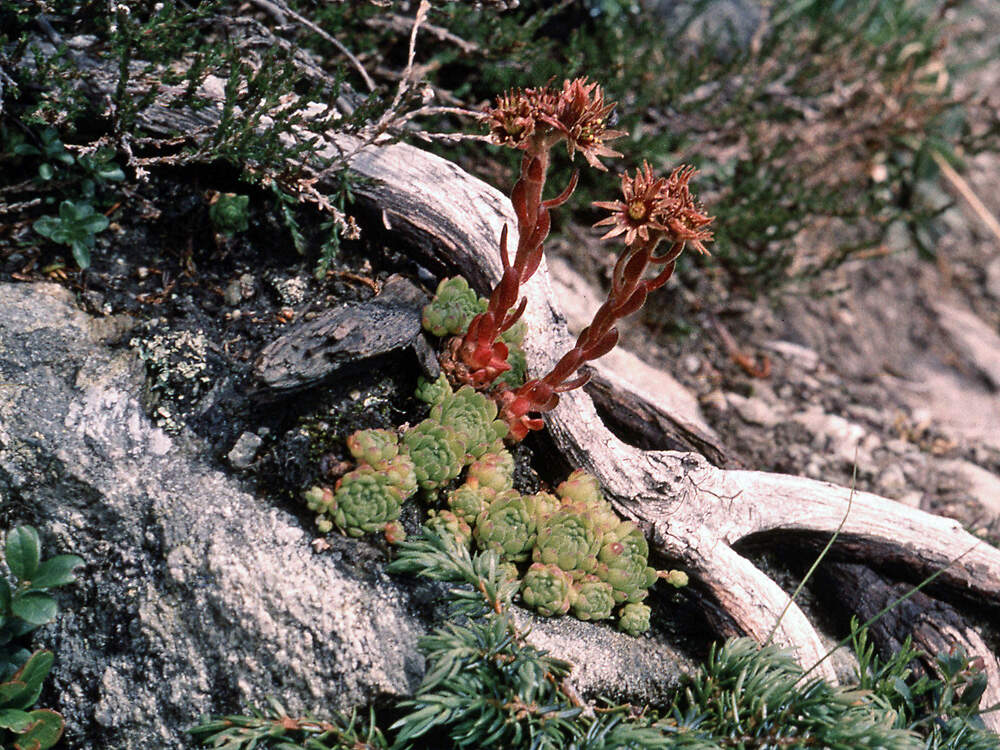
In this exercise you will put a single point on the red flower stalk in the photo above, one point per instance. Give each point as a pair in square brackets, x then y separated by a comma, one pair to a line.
[532, 121]
[653, 210]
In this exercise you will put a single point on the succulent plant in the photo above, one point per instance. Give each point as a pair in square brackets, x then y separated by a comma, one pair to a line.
[569, 539]
[473, 417]
[453, 307]
[514, 335]
[507, 527]
[634, 618]
[469, 500]
[394, 532]
[676, 578]
[509, 570]
[581, 487]
[493, 471]
[623, 563]
[542, 505]
[401, 473]
[365, 501]
[433, 392]
[445, 522]
[229, 213]
[592, 599]
[320, 500]
[373, 446]
[547, 589]
[437, 452]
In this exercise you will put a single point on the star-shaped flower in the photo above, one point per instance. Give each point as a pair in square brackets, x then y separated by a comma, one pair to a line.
[656, 208]
[535, 119]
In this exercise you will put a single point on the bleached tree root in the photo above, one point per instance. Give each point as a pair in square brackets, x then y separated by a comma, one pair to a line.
[692, 511]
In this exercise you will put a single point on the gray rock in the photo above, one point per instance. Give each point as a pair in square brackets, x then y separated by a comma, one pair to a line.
[754, 410]
[836, 435]
[982, 485]
[243, 453]
[197, 596]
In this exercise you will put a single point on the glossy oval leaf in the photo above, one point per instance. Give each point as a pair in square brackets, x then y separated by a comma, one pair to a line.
[45, 731]
[15, 719]
[56, 571]
[11, 690]
[81, 254]
[22, 552]
[35, 607]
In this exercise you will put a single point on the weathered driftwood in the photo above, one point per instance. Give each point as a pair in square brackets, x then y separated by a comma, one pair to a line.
[345, 336]
[691, 511]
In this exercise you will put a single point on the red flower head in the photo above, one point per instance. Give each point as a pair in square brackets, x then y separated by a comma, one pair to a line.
[657, 208]
[535, 119]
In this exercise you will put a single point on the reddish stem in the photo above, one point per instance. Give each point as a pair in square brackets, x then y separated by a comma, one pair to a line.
[479, 350]
[628, 293]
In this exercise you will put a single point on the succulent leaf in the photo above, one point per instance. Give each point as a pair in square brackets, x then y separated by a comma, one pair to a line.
[469, 500]
[514, 335]
[507, 527]
[542, 505]
[320, 500]
[433, 392]
[623, 563]
[473, 417]
[592, 599]
[365, 501]
[634, 618]
[547, 589]
[493, 471]
[445, 522]
[453, 307]
[394, 532]
[437, 453]
[401, 473]
[569, 539]
[581, 487]
[229, 213]
[373, 446]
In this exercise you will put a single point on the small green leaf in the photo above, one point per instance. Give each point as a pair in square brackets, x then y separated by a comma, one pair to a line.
[11, 690]
[57, 571]
[70, 212]
[94, 223]
[81, 254]
[22, 552]
[111, 173]
[30, 677]
[974, 692]
[4, 597]
[35, 607]
[44, 732]
[45, 171]
[903, 690]
[14, 719]
[47, 226]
